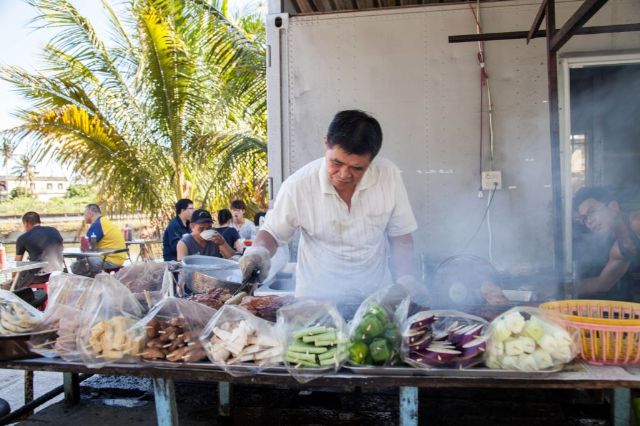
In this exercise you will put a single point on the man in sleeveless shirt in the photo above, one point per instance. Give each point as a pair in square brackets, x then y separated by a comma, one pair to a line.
[599, 211]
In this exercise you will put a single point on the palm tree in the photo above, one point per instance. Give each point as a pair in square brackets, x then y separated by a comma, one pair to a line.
[25, 169]
[6, 152]
[173, 105]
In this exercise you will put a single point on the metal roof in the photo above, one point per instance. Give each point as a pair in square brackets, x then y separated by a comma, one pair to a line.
[310, 7]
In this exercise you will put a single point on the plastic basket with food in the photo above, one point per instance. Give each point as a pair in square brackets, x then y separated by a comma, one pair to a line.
[609, 330]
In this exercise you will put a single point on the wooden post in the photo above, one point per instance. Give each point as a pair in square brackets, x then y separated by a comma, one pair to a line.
[165, 398]
[408, 406]
[224, 407]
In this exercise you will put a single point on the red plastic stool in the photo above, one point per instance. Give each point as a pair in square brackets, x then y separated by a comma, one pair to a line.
[41, 286]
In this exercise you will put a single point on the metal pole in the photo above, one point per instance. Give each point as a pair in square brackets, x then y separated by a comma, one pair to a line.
[71, 384]
[224, 407]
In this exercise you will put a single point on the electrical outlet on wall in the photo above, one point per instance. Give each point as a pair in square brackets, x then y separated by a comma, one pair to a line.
[491, 180]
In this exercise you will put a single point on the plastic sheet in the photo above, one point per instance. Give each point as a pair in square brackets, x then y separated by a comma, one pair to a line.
[314, 338]
[241, 343]
[374, 332]
[530, 339]
[172, 330]
[108, 336]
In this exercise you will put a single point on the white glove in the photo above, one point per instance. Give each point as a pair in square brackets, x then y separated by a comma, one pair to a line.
[255, 258]
[417, 290]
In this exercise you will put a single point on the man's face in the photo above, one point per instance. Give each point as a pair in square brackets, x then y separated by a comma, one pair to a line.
[237, 214]
[88, 217]
[186, 213]
[597, 216]
[345, 170]
[198, 228]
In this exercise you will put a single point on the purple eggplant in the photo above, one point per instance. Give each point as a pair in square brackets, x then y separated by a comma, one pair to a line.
[422, 344]
[474, 347]
[421, 320]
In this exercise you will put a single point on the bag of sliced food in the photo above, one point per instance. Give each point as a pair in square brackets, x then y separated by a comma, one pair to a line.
[17, 317]
[314, 338]
[68, 307]
[172, 329]
[529, 339]
[374, 331]
[241, 343]
[443, 339]
[69, 290]
[108, 337]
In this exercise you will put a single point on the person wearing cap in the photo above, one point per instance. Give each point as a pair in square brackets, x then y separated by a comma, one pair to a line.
[353, 214]
[203, 239]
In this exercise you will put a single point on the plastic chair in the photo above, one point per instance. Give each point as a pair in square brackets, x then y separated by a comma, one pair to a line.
[43, 287]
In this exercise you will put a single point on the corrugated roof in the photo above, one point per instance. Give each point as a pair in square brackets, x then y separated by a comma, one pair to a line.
[310, 7]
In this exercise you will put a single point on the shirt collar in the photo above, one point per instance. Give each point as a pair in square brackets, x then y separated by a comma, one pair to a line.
[369, 179]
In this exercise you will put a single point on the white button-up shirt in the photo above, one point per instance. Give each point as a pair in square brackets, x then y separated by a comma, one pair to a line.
[342, 252]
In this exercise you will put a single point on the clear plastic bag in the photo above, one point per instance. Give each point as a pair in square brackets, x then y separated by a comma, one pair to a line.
[149, 281]
[530, 339]
[66, 321]
[443, 339]
[17, 317]
[374, 332]
[241, 343]
[108, 337]
[69, 290]
[172, 330]
[314, 338]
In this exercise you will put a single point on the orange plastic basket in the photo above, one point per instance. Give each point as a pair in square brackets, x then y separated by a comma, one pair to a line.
[609, 330]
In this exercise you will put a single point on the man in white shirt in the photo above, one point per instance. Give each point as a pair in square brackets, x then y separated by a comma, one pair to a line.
[353, 213]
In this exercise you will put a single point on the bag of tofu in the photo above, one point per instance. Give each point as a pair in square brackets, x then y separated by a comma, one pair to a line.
[240, 343]
[314, 338]
[529, 339]
[172, 329]
[108, 337]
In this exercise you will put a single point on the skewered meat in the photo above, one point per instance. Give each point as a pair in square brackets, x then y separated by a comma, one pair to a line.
[265, 307]
[213, 298]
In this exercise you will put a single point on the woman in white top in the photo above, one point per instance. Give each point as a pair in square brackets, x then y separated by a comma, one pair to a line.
[246, 228]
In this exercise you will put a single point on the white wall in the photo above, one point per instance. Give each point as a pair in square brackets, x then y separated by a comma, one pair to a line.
[398, 65]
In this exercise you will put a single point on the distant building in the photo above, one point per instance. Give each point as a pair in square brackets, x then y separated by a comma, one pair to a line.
[43, 187]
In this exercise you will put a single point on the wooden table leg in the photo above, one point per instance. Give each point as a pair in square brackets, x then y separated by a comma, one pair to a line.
[224, 408]
[71, 384]
[408, 406]
[621, 412]
[165, 398]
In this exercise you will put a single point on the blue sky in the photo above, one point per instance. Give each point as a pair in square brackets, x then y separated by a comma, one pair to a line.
[21, 45]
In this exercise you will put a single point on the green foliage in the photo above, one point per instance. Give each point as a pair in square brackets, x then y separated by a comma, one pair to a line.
[78, 190]
[20, 192]
[19, 205]
[172, 106]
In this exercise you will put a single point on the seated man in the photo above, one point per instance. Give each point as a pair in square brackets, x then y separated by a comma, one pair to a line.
[206, 245]
[41, 243]
[598, 210]
[108, 236]
[245, 228]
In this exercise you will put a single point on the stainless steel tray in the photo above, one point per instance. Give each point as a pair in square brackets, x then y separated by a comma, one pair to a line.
[448, 372]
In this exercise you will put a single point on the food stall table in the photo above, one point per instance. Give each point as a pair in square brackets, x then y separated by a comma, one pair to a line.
[408, 380]
[146, 248]
[14, 266]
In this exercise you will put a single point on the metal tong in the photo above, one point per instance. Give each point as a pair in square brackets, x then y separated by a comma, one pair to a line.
[248, 284]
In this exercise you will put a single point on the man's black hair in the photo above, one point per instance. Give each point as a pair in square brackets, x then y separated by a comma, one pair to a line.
[599, 193]
[355, 132]
[182, 204]
[238, 204]
[31, 218]
[94, 208]
[224, 216]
